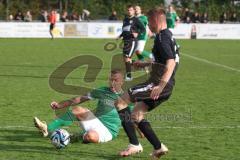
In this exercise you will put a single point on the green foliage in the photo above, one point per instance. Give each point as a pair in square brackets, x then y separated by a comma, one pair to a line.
[101, 9]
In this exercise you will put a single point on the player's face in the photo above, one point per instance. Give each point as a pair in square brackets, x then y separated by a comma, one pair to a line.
[131, 12]
[138, 10]
[116, 82]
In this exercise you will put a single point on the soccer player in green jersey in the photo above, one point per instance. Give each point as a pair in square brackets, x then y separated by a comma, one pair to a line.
[172, 17]
[101, 126]
[142, 37]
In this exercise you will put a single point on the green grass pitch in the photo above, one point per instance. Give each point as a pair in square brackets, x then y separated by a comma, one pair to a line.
[201, 121]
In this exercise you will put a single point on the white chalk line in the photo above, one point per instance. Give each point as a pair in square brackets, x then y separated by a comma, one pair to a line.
[210, 62]
[155, 127]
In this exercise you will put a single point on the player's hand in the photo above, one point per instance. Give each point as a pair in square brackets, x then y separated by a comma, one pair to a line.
[156, 91]
[135, 34]
[54, 105]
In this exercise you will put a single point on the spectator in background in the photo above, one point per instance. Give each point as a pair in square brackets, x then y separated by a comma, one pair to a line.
[43, 17]
[85, 15]
[64, 17]
[233, 17]
[186, 16]
[113, 16]
[10, 17]
[204, 18]
[28, 17]
[19, 16]
[223, 18]
[195, 18]
[57, 16]
[74, 16]
[188, 20]
[172, 17]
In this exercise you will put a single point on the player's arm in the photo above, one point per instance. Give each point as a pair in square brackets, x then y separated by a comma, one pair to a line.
[70, 102]
[142, 64]
[168, 70]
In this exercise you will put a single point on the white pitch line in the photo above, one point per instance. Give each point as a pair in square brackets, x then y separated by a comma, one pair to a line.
[210, 62]
[155, 127]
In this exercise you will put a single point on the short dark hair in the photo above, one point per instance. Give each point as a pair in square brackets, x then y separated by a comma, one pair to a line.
[156, 11]
[130, 6]
[116, 71]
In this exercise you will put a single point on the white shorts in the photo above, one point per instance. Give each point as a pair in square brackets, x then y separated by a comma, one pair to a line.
[140, 45]
[93, 123]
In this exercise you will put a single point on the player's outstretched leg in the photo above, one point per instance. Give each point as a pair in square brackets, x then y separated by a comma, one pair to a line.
[41, 125]
[65, 119]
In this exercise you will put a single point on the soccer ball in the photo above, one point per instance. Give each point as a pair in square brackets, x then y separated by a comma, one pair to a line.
[60, 138]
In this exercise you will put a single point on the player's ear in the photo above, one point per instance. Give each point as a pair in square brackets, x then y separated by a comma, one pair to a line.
[91, 136]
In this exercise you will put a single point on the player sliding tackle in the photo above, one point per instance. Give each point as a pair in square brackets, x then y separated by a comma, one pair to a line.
[154, 91]
[102, 126]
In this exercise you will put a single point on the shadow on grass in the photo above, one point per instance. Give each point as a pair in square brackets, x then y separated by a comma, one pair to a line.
[19, 135]
[26, 141]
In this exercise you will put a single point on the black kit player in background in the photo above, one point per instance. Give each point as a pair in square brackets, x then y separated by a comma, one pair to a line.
[157, 89]
[130, 30]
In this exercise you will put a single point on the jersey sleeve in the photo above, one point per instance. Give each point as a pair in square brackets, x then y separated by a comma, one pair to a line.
[146, 20]
[95, 94]
[139, 25]
[167, 47]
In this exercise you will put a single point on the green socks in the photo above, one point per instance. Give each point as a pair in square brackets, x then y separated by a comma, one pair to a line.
[64, 120]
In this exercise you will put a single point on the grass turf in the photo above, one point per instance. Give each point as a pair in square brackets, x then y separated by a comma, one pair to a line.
[200, 121]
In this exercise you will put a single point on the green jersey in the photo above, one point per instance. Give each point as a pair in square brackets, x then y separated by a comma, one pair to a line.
[171, 19]
[106, 111]
[143, 19]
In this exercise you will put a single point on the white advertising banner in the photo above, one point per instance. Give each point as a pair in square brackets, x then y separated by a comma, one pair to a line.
[112, 30]
[104, 30]
[218, 31]
[28, 30]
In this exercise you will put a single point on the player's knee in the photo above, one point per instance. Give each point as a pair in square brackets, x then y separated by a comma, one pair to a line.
[137, 117]
[79, 112]
[91, 137]
[120, 104]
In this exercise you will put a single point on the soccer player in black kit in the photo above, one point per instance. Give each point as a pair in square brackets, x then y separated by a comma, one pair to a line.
[157, 89]
[130, 30]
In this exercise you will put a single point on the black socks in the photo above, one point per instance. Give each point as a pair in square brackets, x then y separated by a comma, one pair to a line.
[125, 116]
[128, 69]
[148, 132]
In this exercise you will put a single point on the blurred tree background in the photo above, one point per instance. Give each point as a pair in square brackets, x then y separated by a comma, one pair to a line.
[101, 9]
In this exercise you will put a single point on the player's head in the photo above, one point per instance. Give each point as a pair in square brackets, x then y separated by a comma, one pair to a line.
[53, 11]
[138, 10]
[170, 8]
[130, 10]
[157, 19]
[116, 80]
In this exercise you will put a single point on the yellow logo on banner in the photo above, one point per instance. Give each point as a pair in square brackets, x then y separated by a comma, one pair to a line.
[56, 32]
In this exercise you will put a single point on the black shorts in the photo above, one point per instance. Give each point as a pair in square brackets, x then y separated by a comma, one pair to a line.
[129, 47]
[141, 92]
[51, 26]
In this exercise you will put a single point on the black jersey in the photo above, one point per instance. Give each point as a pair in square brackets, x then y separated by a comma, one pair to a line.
[164, 49]
[130, 25]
